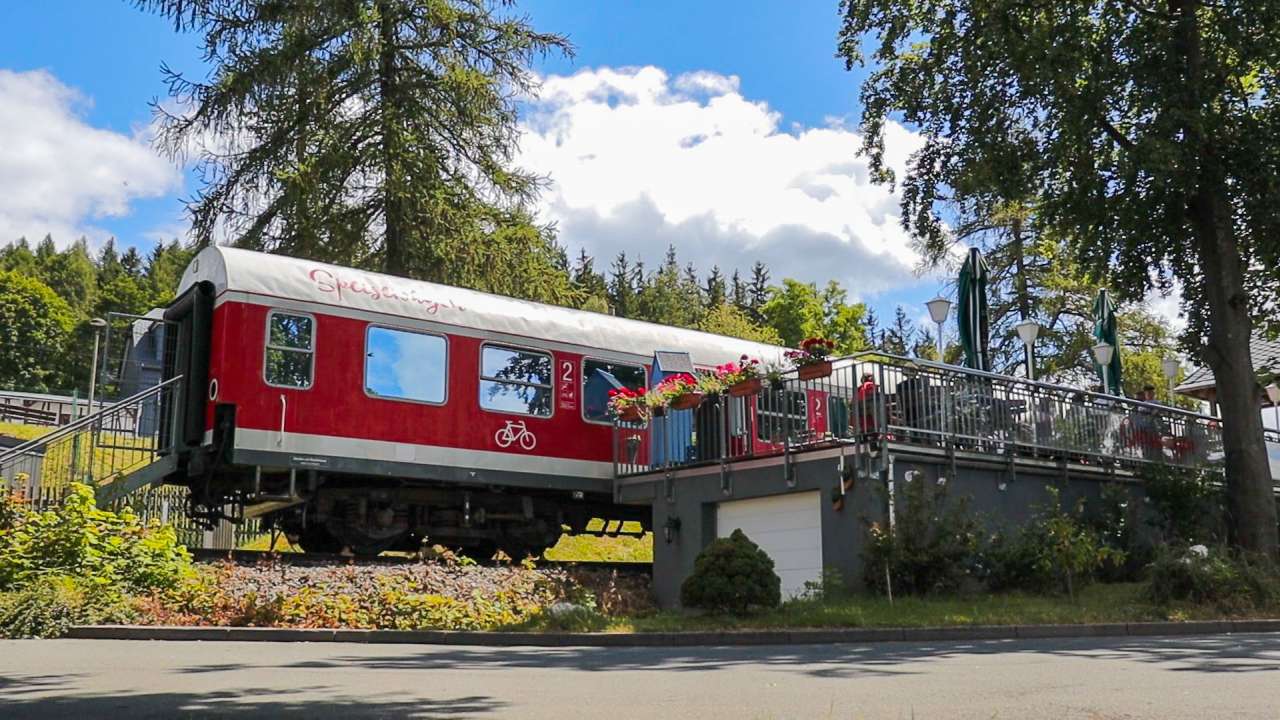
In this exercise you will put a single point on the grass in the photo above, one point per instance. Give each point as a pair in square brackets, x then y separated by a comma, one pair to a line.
[24, 432]
[1098, 603]
[588, 548]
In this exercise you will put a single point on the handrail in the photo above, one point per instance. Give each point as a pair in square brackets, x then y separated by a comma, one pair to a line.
[1014, 380]
[85, 422]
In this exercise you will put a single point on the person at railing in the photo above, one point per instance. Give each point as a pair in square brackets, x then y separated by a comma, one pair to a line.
[864, 415]
[1145, 429]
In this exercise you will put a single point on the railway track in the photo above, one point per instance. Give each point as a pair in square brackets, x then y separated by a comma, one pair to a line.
[253, 557]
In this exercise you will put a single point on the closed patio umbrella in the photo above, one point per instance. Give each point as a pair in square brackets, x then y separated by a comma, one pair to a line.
[974, 319]
[1104, 329]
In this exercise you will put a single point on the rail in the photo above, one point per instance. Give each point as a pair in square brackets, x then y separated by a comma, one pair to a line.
[870, 397]
[98, 448]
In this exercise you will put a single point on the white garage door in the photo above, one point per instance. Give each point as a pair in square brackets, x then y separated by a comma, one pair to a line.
[788, 527]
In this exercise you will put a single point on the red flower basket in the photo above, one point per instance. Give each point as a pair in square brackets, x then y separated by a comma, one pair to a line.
[687, 401]
[814, 371]
[631, 414]
[745, 388]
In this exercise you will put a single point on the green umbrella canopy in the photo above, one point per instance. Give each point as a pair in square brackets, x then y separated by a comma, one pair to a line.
[1104, 331]
[974, 317]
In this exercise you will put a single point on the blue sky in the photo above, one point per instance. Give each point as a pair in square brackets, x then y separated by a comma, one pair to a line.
[777, 186]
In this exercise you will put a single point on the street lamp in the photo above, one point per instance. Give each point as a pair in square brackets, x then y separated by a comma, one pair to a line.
[939, 308]
[1102, 353]
[1028, 331]
[1170, 366]
[97, 324]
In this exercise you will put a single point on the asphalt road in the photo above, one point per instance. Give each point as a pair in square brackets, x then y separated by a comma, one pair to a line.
[1205, 677]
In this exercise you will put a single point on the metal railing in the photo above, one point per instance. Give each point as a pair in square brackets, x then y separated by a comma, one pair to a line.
[869, 397]
[98, 448]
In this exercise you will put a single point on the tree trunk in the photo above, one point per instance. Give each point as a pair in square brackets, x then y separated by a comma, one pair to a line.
[1249, 488]
[1250, 497]
[395, 253]
[1020, 283]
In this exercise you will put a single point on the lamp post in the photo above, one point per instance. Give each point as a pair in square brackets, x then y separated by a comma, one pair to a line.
[97, 324]
[1028, 331]
[1170, 366]
[1273, 394]
[1102, 353]
[939, 308]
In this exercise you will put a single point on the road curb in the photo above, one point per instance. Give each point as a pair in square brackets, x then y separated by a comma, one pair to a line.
[672, 639]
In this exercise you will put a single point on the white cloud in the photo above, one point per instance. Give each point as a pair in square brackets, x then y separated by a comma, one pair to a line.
[637, 160]
[58, 174]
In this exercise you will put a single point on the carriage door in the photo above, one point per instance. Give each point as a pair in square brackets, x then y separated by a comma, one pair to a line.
[186, 354]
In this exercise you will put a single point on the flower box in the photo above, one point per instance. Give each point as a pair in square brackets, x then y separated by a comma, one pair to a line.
[814, 371]
[745, 388]
[687, 401]
[631, 413]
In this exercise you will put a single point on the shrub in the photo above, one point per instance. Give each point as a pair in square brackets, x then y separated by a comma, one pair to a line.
[1055, 551]
[732, 575]
[112, 550]
[1115, 517]
[831, 587]
[1230, 581]
[1187, 504]
[931, 548]
[52, 604]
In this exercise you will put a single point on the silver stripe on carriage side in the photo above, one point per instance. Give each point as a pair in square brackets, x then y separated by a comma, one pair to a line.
[305, 445]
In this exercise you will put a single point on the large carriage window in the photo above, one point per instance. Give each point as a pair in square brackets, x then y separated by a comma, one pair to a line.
[290, 347]
[515, 381]
[404, 365]
[780, 412]
[595, 400]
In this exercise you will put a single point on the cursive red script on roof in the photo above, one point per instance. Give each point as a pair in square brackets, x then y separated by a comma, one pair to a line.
[373, 288]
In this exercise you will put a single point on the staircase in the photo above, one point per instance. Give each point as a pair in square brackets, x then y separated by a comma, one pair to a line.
[117, 449]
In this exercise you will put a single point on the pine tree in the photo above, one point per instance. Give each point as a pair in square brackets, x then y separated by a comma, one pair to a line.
[621, 287]
[739, 291]
[758, 294]
[715, 288]
[372, 133]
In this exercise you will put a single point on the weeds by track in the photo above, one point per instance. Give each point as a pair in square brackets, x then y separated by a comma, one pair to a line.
[254, 557]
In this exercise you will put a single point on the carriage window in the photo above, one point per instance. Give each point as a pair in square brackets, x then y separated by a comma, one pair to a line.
[404, 365]
[515, 381]
[290, 349]
[779, 412]
[595, 405]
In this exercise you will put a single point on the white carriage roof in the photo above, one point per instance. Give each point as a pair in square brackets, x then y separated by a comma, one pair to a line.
[235, 270]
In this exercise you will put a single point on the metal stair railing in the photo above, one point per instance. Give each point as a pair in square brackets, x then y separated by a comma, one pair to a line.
[98, 448]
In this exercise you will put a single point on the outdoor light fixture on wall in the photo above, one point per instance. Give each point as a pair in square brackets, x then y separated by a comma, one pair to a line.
[671, 529]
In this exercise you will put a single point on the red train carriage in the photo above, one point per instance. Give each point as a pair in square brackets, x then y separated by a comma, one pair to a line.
[367, 411]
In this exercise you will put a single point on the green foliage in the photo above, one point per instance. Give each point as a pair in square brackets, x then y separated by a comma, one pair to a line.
[726, 319]
[930, 549]
[111, 551]
[415, 98]
[1140, 134]
[1057, 551]
[798, 310]
[1230, 581]
[732, 575]
[1186, 504]
[34, 326]
[52, 604]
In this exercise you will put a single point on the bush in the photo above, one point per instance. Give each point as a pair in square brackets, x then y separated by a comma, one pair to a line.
[932, 547]
[52, 604]
[112, 550]
[1230, 581]
[1055, 552]
[1188, 505]
[732, 575]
